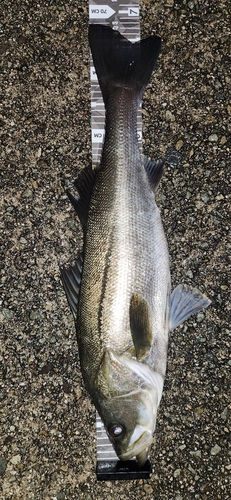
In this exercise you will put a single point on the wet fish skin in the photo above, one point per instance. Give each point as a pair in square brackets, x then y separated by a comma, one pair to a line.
[123, 306]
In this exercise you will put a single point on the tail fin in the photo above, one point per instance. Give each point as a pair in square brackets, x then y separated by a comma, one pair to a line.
[119, 62]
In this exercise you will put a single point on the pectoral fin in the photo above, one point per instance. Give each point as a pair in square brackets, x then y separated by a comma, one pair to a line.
[71, 278]
[184, 302]
[140, 324]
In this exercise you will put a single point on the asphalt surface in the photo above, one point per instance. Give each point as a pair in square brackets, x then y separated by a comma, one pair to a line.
[47, 427]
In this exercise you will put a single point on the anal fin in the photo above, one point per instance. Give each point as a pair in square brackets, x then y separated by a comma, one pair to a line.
[184, 302]
[71, 279]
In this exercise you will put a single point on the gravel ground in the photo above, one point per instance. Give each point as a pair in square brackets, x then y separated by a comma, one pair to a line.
[47, 433]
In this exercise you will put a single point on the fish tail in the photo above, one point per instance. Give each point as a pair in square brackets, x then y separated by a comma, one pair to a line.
[121, 63]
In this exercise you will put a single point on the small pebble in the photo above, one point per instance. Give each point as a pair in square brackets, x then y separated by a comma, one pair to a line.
[177, 472]
[3, 466]
[7, 313]
[170, 117]
[12, 479]
[39, 152]
[200, 317]
[196, 454]
[204, 197]
[36, 315]
[64, 468]
[215, 450]
[213, 138]
[28, 193]
[190, 468]
[16, 459]
[23, 240]
[61, 495]
[148, 489]
[179, 145]
[224, 414]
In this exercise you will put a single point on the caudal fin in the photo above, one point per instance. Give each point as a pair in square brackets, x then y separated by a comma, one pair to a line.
[119, 62]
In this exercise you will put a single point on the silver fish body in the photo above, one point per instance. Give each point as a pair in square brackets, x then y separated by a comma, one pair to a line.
[120, 294]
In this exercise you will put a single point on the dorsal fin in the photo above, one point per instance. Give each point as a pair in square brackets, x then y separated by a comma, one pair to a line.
[71, 279]
[154, 171]
[84, 185]
[140, 324]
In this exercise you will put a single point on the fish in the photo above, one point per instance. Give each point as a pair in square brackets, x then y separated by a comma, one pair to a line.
[119, 290]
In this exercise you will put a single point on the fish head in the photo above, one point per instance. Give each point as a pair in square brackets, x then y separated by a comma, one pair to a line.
[127, 398]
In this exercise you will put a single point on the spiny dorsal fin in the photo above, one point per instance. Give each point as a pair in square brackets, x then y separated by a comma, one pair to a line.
[140, 324]
[71, 279]
[154, 171]
[184, 302]
[84, 185]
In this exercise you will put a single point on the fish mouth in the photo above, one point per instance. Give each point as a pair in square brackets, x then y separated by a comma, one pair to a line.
[139, 447]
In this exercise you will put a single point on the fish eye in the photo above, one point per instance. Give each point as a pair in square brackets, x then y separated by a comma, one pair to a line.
[116, 430]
